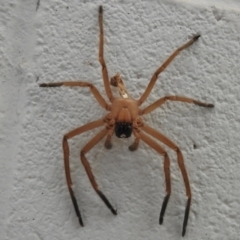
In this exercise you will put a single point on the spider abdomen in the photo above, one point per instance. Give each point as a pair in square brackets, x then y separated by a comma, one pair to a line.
[123, 129]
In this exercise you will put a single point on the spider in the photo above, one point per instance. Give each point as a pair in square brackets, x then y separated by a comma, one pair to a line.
[124, 119]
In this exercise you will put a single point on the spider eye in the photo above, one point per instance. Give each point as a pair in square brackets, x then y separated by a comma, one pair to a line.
[123, 129]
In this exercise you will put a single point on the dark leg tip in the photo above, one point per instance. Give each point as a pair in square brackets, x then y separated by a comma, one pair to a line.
[164, 206]
[196, 37]
[114, 212]
[183, 232]
[210, 105]
[132, 148]
[75, 204]
[105, 200]
[81, 222]
[108, 145]
[100, 9]
[57, 84]
[185, 221]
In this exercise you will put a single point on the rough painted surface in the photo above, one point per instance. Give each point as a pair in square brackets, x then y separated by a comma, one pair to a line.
[59, 42]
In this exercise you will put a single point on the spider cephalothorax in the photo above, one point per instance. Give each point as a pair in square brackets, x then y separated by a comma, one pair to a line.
[124, 119]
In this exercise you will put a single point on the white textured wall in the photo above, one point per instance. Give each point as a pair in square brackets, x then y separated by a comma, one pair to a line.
[59, 42]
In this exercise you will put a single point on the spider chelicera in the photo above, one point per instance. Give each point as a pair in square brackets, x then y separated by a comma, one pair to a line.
[124, 119]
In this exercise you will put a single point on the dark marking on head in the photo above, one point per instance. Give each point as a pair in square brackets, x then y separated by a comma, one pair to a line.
[123, 129]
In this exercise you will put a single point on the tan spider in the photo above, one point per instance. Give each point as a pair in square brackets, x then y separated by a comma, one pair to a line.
[123, 119]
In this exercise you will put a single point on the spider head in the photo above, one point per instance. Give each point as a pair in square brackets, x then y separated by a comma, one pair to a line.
[123, 129]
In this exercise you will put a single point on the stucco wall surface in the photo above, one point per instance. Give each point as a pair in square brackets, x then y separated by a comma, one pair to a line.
[56, 40]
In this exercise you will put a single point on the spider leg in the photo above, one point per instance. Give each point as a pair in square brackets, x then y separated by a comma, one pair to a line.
[161, 151]
[161, 101]
[86, 164]
[101, 56]
[93, 89]
[108, 143]
[67, 136]
[162, 67]
[180, 160]
[135, 144]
